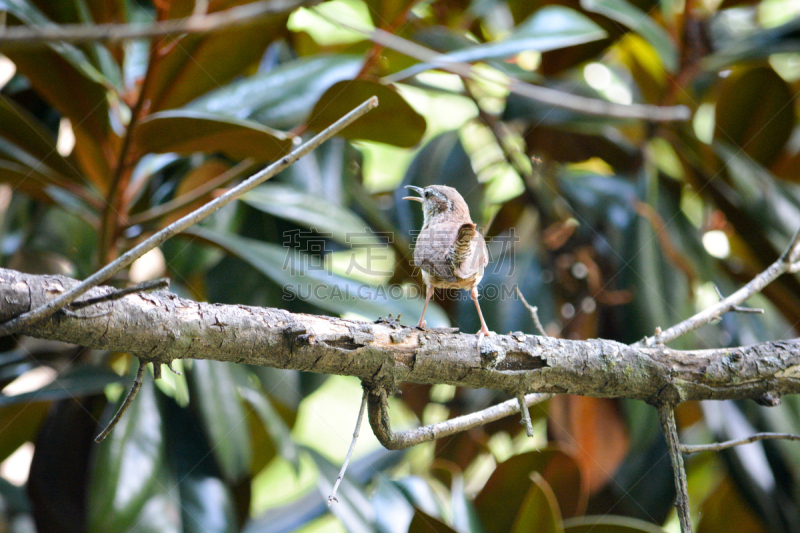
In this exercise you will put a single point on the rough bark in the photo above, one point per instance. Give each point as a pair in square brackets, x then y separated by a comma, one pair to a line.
[161, 327]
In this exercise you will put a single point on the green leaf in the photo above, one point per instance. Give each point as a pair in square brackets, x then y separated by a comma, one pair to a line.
[206, 502]
[393, 122]
[549, 28]
[506, 491]
[30, 15]
[129, 487]
[214, 389]
[20, 423]
[539, 510]
[308, 210]
[76, 382]
[323, 289]
[755, 112]
[385, 12]
[609, 524]
[758, 45]
[283, 97]
[637, 20]
[186, 132]
[351, 506]
[279, 432]
[199, 63]
[425, 523]
[24, 130]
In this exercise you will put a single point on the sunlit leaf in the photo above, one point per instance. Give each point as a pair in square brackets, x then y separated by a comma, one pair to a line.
[506, 491]
[539, 510]
[631, 16]
[283, 97]
[549, 28]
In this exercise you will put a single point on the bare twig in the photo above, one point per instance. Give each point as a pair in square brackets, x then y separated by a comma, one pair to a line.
[137, 384]
[739, 308]
[787, 262]
[526, 416]
[534, 313]
[670, 429]
[717, 446]
[332, 497]
[26, 319]
[545, 95]
[151, 285]
[381, 424]
[245, 15]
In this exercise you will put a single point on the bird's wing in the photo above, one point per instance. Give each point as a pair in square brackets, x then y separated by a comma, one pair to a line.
[468, 255]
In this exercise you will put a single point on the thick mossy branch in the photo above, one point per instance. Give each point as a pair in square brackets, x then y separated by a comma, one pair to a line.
[161, 327]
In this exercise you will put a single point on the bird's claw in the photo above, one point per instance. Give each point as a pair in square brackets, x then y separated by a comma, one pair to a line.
[390, 321]
[481, 334]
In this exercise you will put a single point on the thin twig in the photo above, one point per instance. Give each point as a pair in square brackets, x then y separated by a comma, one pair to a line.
[667, 415]
[137, 384]
[787, 262]
[739, 308]
[26, 319]
[183, 200]
[381, 424]
[245, 15]
[332, 497]
[546, 95]
[534, 312]
[526, 416]
[151, 285]
[717, 446]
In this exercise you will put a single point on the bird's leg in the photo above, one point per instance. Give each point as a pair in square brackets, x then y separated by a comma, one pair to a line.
[422, 324]
[484, 330]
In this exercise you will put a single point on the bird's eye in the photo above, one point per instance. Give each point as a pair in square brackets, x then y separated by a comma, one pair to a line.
[427, 194]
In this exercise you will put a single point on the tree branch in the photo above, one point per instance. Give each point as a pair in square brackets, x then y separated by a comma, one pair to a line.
[245, 15]
[378, 412]
[787, 262]
[160, 327]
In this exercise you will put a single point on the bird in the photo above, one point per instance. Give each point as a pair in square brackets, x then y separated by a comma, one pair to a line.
[449, 250]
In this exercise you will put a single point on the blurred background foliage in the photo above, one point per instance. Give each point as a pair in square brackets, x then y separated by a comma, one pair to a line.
[610, 226]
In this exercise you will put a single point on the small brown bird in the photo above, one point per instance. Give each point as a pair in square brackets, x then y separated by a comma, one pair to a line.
[450, 250]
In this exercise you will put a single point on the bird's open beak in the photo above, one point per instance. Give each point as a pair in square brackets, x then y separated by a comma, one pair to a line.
[418, 190]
